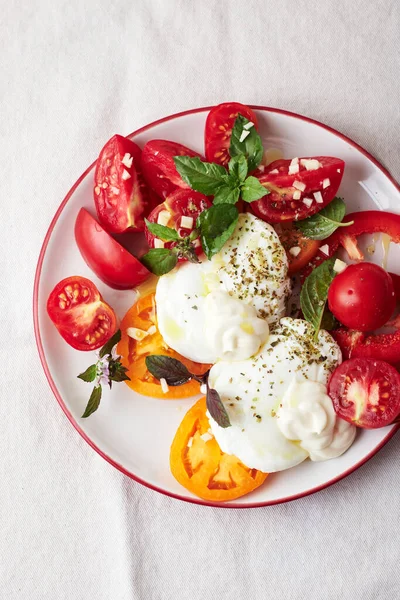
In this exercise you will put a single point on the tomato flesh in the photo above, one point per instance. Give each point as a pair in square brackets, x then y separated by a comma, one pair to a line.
[182, 203]
[218, 130]
[158, 167]
[299, 248]
[105, 256]
[80, 314]
[200, 465]
[362, 297]
[366, 392]
[282, 203]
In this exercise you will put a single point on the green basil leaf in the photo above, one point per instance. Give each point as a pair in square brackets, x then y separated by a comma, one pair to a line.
[321, 225]
[89, 375]
[251, 146]
[238, 167]
[160, 260]
[314, 293]
[226, 195]
[201, 176]
[167, 234]
[113, 341]
[216, 408]
[170, 369]
[253, 190]
[94, 402]
[216, 225]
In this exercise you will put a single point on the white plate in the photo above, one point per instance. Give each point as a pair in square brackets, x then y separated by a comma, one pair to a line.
[133, 432]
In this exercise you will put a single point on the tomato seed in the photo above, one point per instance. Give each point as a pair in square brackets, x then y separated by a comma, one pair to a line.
[68, 289]
[385, 395]
[97, 190]
[87, 337]
[62, 304]
[382, 408]
[85, 293]
[76, 293]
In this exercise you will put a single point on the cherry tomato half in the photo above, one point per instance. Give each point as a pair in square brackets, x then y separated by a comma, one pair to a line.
[218, 130]
[107, 258]
[366, 392]
[200, 465]
[80, 314]
[159, 168]
[299, 248]
[182, 203]
[121, 196]
[362, 297]
[286, 201]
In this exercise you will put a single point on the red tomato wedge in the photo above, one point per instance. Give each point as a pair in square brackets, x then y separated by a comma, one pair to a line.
[301, 194]
[107, 258]
[182, 203]
[355, 344]
[366, 392]
[218, 130]
[159, 169]
[299, 248]
[80, 314]
[121, 196]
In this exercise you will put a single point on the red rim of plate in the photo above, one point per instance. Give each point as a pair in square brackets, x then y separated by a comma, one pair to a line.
[57, 393]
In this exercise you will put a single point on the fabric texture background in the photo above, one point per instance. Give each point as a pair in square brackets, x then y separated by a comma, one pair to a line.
[72, 74]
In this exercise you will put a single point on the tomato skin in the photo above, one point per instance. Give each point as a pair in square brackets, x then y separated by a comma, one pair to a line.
[365, 392]
[180, 203]
[203, 468]
[396, 284]
[362, 297]
[114, 265]
[158, 167]
[80, 314]
[121, 196]
[355, 344]
[279, 204]
[218, 130]
[290, 238]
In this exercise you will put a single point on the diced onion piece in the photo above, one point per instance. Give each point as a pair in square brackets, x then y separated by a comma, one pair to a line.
[318, 197]
[164, 385]
[307, 202]
[294, 168]
[248, 125]
[125, 175]
[127, 160]
[297, 195]
[339, 266]
[324, 249]
[163, 217]
[295, 251]
[151, 330]
[186, 222]
[310, 164]
[326, 183]
[206, 437]
[136, 333]
[158, 243]
[299, 185]
[244, 135]
[274, 172]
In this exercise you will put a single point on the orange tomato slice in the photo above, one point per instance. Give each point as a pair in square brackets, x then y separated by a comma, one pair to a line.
[290, 238]
[200, 465]
[142, 315]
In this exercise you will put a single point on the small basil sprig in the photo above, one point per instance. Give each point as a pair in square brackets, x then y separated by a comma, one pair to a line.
[162, 260]
[175, 373]
[321, 225]
[314, 294]
[107, 369]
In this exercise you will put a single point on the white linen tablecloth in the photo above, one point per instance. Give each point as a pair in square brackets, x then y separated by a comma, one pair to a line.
[72, 74]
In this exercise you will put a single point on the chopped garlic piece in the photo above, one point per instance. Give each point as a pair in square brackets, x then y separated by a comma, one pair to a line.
[310, 164]
[206, 437]
[136, 334]
[187, 222]
[297, 195]
[158, 243]
[244, 135]
[151, 330]
[318, 197]
[339, 266]
[294, 168]
[299, 185]
[274, 172]
[324, 249]
[248, 125]
[163, 217]
[295, 251]
[125, 175]
[307, 202]
[127, 160]
[164, 385]
[326, 183]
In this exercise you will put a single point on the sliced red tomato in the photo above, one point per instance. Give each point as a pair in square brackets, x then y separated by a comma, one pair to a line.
[355, 344]
[366, 392]
[362, 297]
[107, 258]
[301, 194]
[218, 130]
[142, 318]
[121, 195]
[198, 463]
[80, 314]
[299, 248]
[159, 168]
[182, 203]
